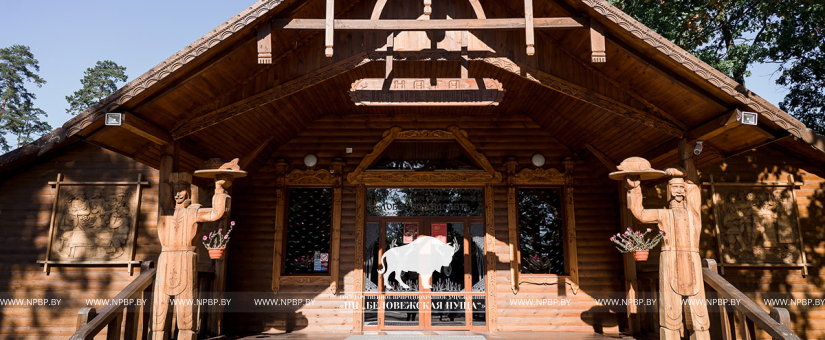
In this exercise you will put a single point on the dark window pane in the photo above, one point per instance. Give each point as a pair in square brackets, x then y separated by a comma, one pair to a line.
[477, 255]
[307, 231]
[371, 266]
[540, 231]
[424, 156]
[425, 202]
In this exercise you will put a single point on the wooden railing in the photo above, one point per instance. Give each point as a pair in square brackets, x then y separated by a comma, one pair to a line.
[777, 324]
[90, 323]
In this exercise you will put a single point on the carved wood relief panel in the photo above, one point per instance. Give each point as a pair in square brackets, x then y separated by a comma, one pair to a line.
[757, 224]
[297, 178]
[542, 177]
[93, 223]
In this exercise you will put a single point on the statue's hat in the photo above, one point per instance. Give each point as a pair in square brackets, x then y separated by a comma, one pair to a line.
[180, 178]
[636, 166]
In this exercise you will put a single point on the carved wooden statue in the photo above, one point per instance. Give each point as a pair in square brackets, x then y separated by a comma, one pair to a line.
[177, 266]
[680, 269]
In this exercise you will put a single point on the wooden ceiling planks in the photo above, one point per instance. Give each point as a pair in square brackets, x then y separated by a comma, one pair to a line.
[566, 55]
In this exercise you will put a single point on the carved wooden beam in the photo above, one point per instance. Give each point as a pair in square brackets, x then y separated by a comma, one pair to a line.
[589, 65]
[606, 161]
[265, 43]
[329, 27]
[597, 45]
[715, 127]
[455, 178]
[586, 95]
[206, 117]
[529, 28]
[146, 130]
[427, 25]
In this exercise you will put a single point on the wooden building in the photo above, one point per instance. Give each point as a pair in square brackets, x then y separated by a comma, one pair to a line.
[366, 125]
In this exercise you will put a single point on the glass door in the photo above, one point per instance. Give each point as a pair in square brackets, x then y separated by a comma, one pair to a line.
[424, 273]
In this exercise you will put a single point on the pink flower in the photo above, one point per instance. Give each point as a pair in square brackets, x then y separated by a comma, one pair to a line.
[204, 237]
[220, 230]
[648, 230]
[226, 237]
[232, 223]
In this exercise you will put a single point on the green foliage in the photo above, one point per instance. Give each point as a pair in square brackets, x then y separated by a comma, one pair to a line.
[800, 45]
[24, 122]
[98, 82]
[731, 35]
[17, 114]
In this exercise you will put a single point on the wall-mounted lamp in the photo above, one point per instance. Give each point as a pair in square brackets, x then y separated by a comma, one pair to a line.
[310, 160]
[697, 149]
[747, 118]
[538, 159]
[113, 119]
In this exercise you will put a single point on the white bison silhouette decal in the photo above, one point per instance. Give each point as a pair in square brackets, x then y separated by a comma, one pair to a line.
[424, 256]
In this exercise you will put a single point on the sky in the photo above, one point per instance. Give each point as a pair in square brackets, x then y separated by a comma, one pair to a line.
[67, 37]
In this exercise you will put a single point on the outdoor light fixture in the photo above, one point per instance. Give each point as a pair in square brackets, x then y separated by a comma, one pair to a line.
[114, 119]
[538, 159]
[697, 149]
[310, 160]
[747, 118]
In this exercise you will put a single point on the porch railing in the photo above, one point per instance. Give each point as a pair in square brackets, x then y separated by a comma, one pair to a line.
[777, 324]
[90, 323]
[740, 319]
[135, 323]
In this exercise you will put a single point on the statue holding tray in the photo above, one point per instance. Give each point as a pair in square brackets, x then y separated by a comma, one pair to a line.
[177, 266]
[680, 268]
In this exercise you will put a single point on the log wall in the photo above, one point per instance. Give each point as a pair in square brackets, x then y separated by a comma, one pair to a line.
[25, 206]
[497, 137]
[772, 165]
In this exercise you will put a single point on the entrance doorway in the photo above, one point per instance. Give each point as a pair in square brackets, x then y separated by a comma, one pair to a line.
[444, 298]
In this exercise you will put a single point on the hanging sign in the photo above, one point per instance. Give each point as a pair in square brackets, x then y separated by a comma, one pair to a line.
[427, 92]
[440, 231]
[410, 232]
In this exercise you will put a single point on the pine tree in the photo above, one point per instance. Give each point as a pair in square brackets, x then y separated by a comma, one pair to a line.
[24, 122]
[98, 83]
[17, 113]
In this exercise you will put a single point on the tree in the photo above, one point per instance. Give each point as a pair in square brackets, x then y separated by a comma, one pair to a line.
[17, 115]
[17, 66]
[801, 47]
[732, 35]
[98, 82]
[24, 122]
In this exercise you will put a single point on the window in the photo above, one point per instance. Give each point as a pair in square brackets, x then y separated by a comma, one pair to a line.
[307, 249]
[541, 231]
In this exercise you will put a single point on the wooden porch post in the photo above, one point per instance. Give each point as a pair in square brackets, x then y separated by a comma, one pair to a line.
[630, 281]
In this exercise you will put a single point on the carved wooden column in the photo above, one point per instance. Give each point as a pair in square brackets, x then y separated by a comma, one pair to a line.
[490, 248]
[337, 192]
[358, 271]
[510, 166]
[570, 212]
[280, 209]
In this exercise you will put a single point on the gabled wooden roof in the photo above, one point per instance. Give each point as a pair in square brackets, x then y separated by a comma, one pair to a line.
[649, 93]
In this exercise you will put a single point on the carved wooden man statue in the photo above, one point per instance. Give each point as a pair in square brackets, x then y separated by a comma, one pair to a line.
[680, 268]
[177, 266]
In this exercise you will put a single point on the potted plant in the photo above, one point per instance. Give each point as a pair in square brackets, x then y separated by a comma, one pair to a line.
[216, 242]
[637, 242]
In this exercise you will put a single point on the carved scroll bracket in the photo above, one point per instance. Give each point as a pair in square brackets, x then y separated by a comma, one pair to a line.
[311, 177]
[542, 177]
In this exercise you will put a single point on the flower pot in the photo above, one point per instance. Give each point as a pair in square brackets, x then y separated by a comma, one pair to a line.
[639, 255]
[217, 253]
